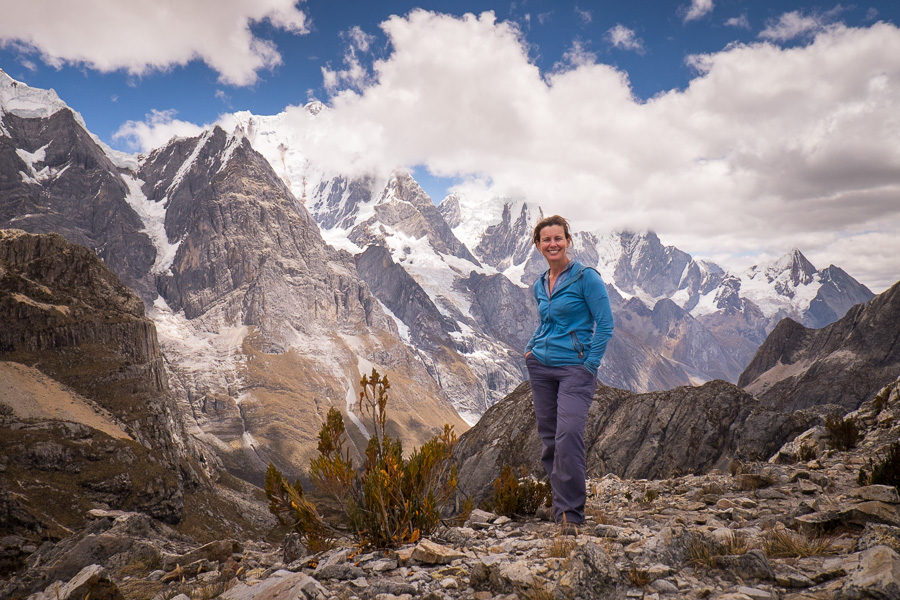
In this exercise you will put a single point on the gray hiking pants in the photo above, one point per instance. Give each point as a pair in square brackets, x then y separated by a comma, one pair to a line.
[562, 398]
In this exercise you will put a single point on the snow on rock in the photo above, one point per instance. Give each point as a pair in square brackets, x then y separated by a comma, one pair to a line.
[21, 100]
[153, 215]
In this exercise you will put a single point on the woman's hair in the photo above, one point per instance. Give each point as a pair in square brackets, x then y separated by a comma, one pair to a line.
[547, 222]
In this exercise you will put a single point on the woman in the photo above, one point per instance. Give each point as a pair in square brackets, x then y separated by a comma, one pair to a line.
[562, 358]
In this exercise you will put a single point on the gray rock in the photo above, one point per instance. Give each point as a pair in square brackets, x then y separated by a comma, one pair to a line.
[592, 573]
[879, 493]
[91, 582]
[876, 534]
[282, 585]
[752, 564]
[876, 575]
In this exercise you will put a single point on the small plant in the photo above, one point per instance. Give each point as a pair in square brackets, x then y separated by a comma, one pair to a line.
[537, 591]
[843, 434]
[736, 467]
[704, 551]
[650, 496]
[389, 502]
[560, 546]
[638, 577]
[515, 496]
[736, 543]
[807, 452]
[884, 472]
[787, 544]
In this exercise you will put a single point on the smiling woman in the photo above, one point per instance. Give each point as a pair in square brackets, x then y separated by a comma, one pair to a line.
[562, 357]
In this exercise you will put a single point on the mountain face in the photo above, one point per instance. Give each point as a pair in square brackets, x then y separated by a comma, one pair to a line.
[702, 321]
[82, 380]
[843, 364]
[263, 326]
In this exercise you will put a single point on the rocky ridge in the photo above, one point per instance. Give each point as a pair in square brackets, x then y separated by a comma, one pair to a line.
[787, 529]
[842, 363]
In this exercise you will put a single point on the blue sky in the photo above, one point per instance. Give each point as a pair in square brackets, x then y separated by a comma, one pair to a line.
[710, 106]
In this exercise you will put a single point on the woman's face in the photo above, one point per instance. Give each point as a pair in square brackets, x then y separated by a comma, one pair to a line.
[553, 243]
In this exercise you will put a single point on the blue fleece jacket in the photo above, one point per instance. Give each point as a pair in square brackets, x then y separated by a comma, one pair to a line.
[576, 320]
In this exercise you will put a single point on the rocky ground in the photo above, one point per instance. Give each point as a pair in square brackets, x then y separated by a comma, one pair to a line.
[796, 527]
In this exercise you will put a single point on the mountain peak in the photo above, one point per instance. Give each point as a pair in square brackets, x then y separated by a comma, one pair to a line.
[27, 102]
[314, 107]
[800, 269]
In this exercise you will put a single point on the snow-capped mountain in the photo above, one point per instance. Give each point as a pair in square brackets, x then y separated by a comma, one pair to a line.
[263, 326]
[723, 316]
[275, 283]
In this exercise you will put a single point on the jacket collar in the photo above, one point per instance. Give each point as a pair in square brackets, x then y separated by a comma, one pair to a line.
[576, 270]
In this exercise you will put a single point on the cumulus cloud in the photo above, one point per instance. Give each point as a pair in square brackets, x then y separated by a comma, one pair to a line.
[791, 25]
[766, 149]
[145, 36]
[159, 127]
[354, 75]
[625, 38]
[698, 10]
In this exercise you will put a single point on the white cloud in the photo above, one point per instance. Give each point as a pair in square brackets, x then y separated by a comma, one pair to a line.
[145, 36]
[585, 16]
[698, 10]
[354, 76]
[625, 38]
[791, 25]
[767, 148]
[159, 127]
[742, 22]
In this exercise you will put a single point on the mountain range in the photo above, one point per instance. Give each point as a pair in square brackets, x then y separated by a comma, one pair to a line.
[274, 284]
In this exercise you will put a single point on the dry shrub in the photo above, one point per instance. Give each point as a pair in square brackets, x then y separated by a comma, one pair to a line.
[560, 546]
[515, 496]
[389, 502]
[885, 472]
[843, 434]
[703, 551]
[788, 544]
[638, 577]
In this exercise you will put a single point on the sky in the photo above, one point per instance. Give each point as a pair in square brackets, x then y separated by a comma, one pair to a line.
[734, 129]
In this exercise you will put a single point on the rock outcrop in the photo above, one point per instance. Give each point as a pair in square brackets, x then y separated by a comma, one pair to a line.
[110, 436]
[843, 363]
[653, 435]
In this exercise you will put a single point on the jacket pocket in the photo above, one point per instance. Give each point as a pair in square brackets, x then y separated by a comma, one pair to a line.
[576, 345]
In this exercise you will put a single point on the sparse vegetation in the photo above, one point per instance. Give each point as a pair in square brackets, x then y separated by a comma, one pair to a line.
[807, 452]
[788, 544]
[843, 434]
[650, 496]
[703, 551]
[515, 496]
[638, 577]
[735, 467]
[390, 501]
[885, 472]
[560, 546]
